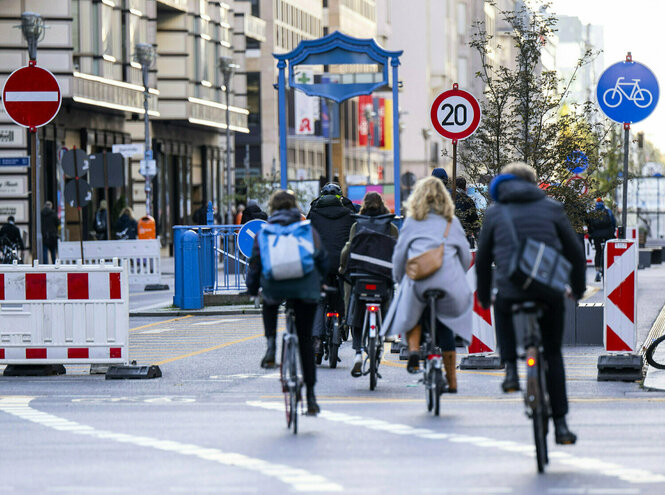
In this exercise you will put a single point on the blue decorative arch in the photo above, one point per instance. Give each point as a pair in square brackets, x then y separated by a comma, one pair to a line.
[339, 49]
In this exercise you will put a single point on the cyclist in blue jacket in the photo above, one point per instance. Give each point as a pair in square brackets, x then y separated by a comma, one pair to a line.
[303, 292]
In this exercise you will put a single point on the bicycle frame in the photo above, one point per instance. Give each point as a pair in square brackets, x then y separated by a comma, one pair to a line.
[634, 85]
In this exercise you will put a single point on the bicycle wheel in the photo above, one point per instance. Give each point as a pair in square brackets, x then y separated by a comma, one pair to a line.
[334, 343]
[294, 385]
[612, 97]
[642, 98]
[371, 352]
[649, 354]
[539, 437]
[294, 410]
[437, 391]
[283, 377]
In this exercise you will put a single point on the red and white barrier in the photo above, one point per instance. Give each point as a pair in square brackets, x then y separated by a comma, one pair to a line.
[620, 312]
[64, 314]
[484, 336]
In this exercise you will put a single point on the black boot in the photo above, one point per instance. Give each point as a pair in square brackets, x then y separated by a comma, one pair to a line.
[312, 407]
[511, 383]
[268, 360]
[413, 364]
[318, 349]
[562, 434]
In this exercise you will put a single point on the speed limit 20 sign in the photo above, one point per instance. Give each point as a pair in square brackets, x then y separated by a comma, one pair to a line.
[455, 114]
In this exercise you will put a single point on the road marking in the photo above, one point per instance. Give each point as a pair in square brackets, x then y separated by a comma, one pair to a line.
[159, 323]
[158, 330]
[203, 351]
[606, 468]
[300, 479]
[217, 322]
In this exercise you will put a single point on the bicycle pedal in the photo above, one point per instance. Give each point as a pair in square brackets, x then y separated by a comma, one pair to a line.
[378, 374]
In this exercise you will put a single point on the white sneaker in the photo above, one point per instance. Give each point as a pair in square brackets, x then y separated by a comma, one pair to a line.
[356, 371]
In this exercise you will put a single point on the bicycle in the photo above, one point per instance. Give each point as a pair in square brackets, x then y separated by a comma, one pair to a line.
[433, 378]
[332, 337]
[291, 381]
[536, 398]
[370, 291]
[651, 349]
[640, 96]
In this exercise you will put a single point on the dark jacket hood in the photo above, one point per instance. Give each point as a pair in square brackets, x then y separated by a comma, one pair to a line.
[330, 207]
[285, 217]
[508, 188]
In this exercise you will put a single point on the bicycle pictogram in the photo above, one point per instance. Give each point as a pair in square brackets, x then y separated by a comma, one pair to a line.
[630, 90]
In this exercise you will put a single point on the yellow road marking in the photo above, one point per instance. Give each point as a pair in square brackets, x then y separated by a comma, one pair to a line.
[160, 322]
[203, 351]
[590, 292]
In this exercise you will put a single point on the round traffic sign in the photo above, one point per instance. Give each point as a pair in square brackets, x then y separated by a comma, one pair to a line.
[455, 114]
[578, 183]
[577, 162]
[31, 96]
[246, 236]
[85, 193]
[627, 92]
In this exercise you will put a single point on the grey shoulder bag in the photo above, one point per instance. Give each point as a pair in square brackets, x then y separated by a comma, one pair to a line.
[535, 266]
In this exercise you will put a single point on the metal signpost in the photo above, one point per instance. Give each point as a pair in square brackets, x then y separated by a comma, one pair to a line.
[455, 114]
[627, 92]
[32, 98]
[78, 192]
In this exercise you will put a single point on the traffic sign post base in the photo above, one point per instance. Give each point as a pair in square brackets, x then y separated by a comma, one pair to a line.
[133, 372]
[620, 368]
[151, 287]
[476, 362]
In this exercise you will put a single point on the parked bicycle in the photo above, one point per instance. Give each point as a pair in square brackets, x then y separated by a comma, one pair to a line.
[433, 378]
[536, 398]
[291, 380]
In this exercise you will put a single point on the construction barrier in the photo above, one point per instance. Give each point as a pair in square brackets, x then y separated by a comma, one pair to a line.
[483, 342]
[142, 256]
[620, 313]
[64, 314]
[590, 250]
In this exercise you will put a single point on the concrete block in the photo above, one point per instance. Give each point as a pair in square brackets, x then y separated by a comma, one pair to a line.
[589, 324]
[569, 322]
[645, 259]
[656, 256]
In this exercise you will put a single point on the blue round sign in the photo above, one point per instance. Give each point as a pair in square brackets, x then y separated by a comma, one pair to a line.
[577, 161]
[246, 236]
[627, 92]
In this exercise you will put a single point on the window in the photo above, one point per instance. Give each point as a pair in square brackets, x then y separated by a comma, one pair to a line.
[461, 19]
[110, 33]
[254, 98]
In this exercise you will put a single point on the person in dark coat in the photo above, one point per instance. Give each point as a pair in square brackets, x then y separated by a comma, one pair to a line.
[253, 212]
[126, 227]
[10, 233]
[333, 221]
[303, 292]
[543, 219]
[601, 225]
[50, 224]
[101, 219]
[465, 210]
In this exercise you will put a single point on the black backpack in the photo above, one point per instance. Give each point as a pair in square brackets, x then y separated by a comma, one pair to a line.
[371, 252]
[376, 223]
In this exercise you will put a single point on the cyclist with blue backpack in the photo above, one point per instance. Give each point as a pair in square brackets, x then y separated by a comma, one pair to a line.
[288, 263]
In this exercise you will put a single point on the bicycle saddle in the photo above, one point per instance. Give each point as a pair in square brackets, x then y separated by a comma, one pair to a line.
[435, 293]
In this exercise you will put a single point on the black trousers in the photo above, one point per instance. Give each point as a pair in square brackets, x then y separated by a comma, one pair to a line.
[598, 246]
[304, 316]
[551, 327]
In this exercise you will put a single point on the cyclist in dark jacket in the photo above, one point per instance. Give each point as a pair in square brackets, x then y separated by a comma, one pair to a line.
[333, 221]
[12, 234]
[304, 292]
[601, 224]
[253, 212]
[465, 210]
[536, 216]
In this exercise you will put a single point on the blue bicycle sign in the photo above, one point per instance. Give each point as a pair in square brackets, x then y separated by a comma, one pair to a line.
[627, 92]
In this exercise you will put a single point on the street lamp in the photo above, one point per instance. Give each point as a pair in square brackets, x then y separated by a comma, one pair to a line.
[427, 133]
[144, 54]
[32, 27]
[369, 115]
[228, 68]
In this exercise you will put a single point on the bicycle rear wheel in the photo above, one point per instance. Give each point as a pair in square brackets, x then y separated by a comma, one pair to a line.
[650, 351]
[437, 390]
[294, 385]
[334, 343]
[294, 409]
[539, 419]
[371, 352]
[283, 377]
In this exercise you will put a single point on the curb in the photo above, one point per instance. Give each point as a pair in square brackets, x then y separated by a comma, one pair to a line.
[185, 312]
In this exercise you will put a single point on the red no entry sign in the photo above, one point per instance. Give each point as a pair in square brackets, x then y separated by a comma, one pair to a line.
[455, 114]
[31, 96]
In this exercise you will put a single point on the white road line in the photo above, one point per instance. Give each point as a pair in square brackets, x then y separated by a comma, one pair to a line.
[599, 466]
[299, 479]
[160, 330]
[217, 322]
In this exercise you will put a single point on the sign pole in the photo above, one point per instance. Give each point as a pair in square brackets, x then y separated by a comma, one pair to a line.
[106, 197]
[78, 204]
[453, 186]
[33, 192]
[624, 207]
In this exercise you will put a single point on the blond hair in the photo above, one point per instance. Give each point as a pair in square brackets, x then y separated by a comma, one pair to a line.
[428, 196]
[521, 170]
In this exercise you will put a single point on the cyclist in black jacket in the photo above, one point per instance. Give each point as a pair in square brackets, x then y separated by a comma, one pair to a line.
[543, 219]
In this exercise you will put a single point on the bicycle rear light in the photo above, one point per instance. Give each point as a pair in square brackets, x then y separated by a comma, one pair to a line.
[531, 362]
[331, 315]
[370, 286]
[373, 309]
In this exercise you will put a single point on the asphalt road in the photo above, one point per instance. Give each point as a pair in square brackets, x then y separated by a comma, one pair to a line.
[214, 423]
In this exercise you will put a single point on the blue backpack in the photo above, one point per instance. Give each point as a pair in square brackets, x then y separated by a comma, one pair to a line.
[287, 251]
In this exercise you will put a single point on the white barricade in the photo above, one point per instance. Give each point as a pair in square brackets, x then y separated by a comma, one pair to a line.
[620, 312]
[64, 314]
[590, 250]
[484, 337]
[142, 256]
